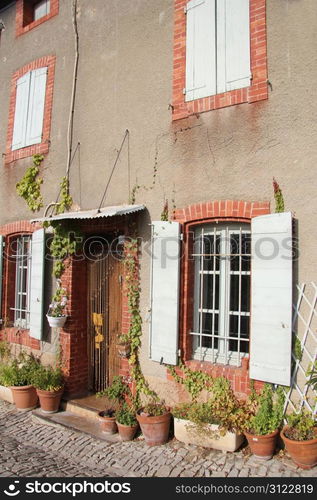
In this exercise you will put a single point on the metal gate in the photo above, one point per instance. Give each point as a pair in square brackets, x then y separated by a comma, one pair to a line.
[104, 320]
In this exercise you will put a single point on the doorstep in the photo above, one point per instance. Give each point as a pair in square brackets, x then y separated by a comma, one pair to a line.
[79, 415]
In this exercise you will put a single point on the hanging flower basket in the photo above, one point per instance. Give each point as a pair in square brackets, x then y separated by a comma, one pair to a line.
[56, 322]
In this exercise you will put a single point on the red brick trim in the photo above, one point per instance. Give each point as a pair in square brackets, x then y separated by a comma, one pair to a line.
[23, 20]
[12, 334]
[43, 147]
[191, 216]
[258, 89]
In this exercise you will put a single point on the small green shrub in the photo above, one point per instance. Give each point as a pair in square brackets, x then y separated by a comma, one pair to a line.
[116, 391]
[302, 426]
[154, 409]
[269, 411]
[19, 372]
[126, 416]
[47, 378]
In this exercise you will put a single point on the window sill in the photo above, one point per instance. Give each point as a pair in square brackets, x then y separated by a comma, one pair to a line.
[19, 336]
[26, 152]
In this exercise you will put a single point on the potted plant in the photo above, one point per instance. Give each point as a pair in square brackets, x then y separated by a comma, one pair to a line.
[300, 439]
[216, 423]
[126, 422]
[124, 345]
[154, 419]
[116, 393]
[18, 374]
[49, 384]
[263, 428]
[55, 315]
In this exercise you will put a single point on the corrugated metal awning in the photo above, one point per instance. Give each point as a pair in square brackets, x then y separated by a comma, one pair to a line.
[94, 214]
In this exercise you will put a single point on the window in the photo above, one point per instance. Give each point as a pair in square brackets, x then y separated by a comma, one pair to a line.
[32, 13]
[220, 55]
[41, 9]
[22, 257]
[29, 109]
[222, 256]
[217, 47]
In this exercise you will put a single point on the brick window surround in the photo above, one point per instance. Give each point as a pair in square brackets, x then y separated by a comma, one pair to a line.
[256, 92]
[190, 217]
[24, 16]
[43, 147]
[12, 334]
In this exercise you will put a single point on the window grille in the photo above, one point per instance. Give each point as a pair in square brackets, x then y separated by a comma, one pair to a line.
[222, 257]
[22, 258]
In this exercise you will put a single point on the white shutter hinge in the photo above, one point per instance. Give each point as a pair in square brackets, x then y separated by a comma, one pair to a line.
[185, 9]
[181, 236]
[184, 91]
[179, 353]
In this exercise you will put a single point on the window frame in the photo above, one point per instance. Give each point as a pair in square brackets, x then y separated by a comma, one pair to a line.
[25, 21]
[43, 146]
[22, 281]
[258, 89]
[221, 354]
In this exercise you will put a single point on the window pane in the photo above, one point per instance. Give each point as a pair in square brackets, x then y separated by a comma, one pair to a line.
[208, 291]
[234, 293]
[207, 320]
[245, 293]
[211, 246]
[246, 249]
[234, 249]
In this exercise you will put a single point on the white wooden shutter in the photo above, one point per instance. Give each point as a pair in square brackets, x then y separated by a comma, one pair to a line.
[36, 106]
[165, 292]
[233, 45]
[21, 111]
[200, 49]
[37, 284]
[1, 273]
[271, 302]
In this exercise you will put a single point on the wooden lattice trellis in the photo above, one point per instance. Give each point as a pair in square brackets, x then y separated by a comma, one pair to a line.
[305, 329]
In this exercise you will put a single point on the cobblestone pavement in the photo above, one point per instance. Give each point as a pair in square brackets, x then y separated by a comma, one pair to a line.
[28, 448]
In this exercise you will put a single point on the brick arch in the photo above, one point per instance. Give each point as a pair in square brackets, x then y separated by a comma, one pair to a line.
[22, 226]
[222, 209]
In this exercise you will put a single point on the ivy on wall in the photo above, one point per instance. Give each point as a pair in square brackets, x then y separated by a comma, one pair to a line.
[278, 196]
[29, 187]
[135, 331]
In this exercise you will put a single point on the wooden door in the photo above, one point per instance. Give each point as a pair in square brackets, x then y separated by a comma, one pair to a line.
[104, 322]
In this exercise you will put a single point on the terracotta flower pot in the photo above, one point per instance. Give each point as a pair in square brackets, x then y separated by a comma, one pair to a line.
[127, 432]
[56, 322]
[50, 400]
[262, 447]
[303, 453]
[24, 397]
[154, 429]
[108, 424]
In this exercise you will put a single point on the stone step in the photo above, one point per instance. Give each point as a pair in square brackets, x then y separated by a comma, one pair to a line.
[77, 422]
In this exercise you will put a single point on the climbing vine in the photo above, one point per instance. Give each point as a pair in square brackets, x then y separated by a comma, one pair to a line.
[164, 214]
[135, 330]
[278, 196]
[66, 200]
[29, 187]
[64, 244]
[194, 381]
